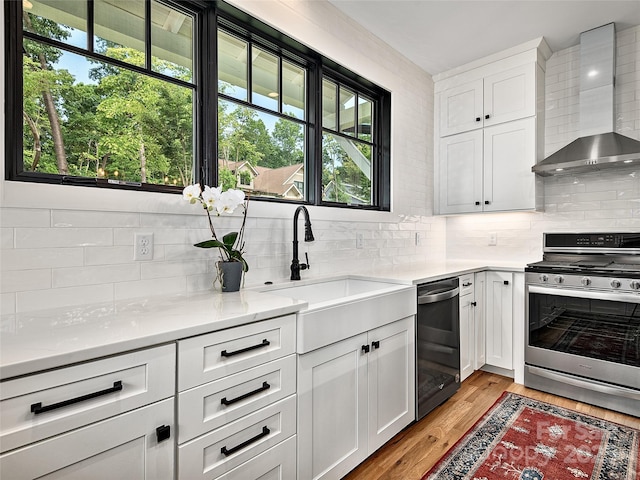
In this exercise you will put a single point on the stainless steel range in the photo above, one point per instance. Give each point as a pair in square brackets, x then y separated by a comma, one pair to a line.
[583, 319]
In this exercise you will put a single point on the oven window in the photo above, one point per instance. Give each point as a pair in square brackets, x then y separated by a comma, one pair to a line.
[603, 329]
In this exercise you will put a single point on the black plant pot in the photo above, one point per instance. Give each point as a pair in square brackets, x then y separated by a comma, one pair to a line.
[229, 275]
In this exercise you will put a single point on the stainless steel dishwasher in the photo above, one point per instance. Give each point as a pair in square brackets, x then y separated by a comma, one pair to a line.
[437, 344]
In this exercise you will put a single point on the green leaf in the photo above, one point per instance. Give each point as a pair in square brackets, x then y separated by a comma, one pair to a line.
[210, 244]
[230, 238]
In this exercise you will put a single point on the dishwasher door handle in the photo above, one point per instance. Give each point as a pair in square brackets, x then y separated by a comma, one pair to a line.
[438, 297]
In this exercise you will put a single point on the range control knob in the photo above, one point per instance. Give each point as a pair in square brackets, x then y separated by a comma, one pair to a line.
[558, 279]
[544, 277]
[635, 284]
[586, 281]
[616, 283]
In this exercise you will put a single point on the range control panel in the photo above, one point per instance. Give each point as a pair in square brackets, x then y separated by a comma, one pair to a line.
[571, 241]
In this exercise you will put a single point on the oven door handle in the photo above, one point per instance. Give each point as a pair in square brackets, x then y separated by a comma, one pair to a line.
[590, 385]
[590, 294]
[438, 297]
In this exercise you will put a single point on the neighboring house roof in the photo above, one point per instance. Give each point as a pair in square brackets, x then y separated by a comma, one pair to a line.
[278, 181]
[236, 166]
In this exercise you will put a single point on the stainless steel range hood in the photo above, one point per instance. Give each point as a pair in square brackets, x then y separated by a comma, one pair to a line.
[598, 147]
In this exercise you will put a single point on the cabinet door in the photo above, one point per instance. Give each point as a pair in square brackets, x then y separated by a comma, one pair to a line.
[461, 173]
[332, 409]
[479, 358]
[499, 320]
[122, 447]
[391, 373]
[509, 154]
[510, 95]
[467, 336]
[461, 108]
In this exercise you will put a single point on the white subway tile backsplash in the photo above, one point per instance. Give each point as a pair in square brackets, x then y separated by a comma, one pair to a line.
[89, 218]
[30, 258]
[94, 275]
[62, 237]
[7, 307]
[6, 237]
[25, 217]
[21, 280]
[150, 287]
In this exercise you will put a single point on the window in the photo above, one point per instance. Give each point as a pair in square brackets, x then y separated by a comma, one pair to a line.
[108, 92]
[133, 94]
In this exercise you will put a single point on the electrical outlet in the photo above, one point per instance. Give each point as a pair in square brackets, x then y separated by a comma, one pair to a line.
[493, 239]
[359, 240]
[418, 239]
[143, 246]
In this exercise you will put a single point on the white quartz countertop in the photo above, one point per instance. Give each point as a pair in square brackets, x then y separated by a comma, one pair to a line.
[45, 339]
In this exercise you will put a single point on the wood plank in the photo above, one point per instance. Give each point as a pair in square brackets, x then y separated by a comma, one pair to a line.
[412, 452]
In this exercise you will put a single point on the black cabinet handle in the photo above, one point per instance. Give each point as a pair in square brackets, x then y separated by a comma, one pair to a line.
[487, 116]
[230, 451]
[467, 284]
[163, 432]
[365, 348]
[37, 408]
[478, 119]
[265, 386]
[473, 304]
[477, 203]
[486, 202]
[265, 343]
[506, 282]
[375, 344]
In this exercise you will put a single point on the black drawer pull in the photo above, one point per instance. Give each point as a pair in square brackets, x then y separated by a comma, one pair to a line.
[487, 116]
[473, 304]
[478, 119]
[163, 433]
[467, 284]
[486, 202]
[375, 344]
[477, 203]
[506, 282]
[226, 452]
[265, 386]
[365, 348]
[37, 408]
[265, 343]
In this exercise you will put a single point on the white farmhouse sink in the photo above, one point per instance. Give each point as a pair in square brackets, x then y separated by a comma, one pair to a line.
[342, 307]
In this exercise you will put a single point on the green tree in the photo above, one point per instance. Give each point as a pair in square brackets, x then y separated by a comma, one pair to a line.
[288, 144]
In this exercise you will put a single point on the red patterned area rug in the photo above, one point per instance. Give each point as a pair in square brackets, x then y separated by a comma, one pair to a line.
[524, 439]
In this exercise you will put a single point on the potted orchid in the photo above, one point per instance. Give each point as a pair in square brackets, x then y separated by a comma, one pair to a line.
[231, 247]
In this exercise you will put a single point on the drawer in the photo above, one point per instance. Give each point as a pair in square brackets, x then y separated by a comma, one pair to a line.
[277, 463]
[45, 404]
[209, 357]
[222, 450]
[122, 447]
[210, 406]
[466, 284]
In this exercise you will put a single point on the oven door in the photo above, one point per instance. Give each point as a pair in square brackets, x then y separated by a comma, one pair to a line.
[590, 334]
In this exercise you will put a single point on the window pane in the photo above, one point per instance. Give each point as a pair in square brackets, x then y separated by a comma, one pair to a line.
[108, 122]
[260, 153]
[346, 170]
[365, 119]
[347, 111]
[64, 20]
[265, 79]
[293, 90]
[329, 95]
[232, 66]
[119, 30]
[171, 42]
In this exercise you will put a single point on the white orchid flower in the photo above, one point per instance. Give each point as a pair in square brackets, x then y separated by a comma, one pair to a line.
[192, 193]
[211, 197]
[228, 202]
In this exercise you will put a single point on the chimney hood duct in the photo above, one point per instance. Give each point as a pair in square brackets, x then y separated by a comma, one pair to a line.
[598, 147]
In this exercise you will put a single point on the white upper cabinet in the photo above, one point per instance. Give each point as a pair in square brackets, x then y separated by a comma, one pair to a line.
[489, 133]
[498, 98]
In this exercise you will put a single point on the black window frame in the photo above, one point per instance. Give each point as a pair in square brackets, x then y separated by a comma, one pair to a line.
[208, 17]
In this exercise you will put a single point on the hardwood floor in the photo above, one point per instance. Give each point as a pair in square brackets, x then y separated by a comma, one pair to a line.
[417, 448]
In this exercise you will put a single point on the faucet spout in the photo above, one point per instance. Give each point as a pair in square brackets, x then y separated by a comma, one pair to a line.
[296, 266]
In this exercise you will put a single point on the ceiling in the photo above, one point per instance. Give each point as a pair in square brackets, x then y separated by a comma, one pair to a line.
[439, 35]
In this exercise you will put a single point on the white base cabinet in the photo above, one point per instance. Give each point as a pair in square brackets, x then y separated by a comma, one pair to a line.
[353, 396]
[472, 324]
[499, 318]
